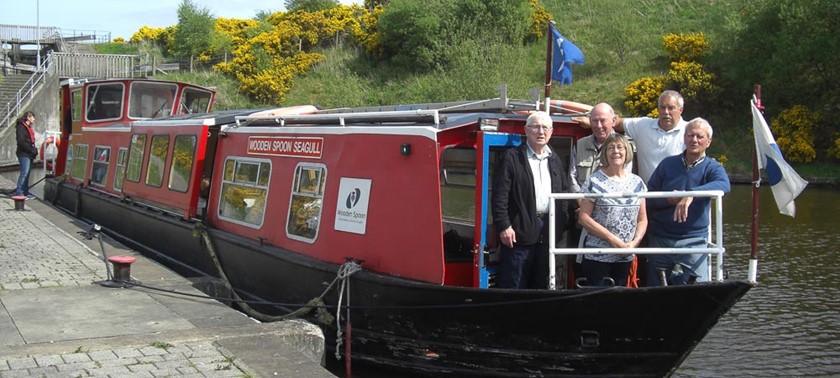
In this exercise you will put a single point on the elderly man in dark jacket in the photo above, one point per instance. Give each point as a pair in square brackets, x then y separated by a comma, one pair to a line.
[523, 179]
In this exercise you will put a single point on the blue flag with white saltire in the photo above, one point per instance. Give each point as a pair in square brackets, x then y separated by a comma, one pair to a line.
[784, 181]
[564, 53]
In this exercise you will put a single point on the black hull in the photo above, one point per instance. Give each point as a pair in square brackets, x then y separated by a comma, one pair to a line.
[433, 329]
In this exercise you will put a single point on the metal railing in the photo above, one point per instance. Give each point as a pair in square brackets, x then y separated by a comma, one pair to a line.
[109, 66]
[25, 93]
[715, 236]
[26, 33]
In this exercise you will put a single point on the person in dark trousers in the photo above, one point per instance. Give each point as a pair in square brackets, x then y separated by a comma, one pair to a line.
[26, 152]
[522, 182]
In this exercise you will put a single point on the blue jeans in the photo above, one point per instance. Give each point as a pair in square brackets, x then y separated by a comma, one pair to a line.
[694, 265]
[22, 188]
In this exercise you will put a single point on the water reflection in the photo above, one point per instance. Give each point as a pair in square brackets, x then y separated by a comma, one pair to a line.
[789, 325]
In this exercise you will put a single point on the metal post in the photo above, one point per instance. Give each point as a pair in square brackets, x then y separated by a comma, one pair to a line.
[38, 35]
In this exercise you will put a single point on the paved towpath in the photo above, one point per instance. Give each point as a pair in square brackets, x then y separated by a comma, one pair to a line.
[57, 321]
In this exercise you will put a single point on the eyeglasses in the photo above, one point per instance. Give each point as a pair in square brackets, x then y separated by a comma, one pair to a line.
[615, 148]
[544, 128]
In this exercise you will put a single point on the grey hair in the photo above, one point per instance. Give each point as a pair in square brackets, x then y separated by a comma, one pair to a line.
[707, 127]
[541, 117]
[674, 94]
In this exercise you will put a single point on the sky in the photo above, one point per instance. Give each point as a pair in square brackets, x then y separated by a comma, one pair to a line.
[121, 17]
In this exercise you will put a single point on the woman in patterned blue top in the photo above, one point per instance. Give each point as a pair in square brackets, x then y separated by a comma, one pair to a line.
[612, 222]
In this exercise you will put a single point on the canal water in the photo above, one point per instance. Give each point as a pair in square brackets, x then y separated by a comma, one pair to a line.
[789, 324]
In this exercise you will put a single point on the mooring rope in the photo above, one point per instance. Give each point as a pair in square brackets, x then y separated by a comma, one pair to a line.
[318, 302]
[344, 272]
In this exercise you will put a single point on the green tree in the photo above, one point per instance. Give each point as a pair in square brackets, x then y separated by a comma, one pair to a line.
[195, 32]
[790, 48]
[309, 5]
[428, 35]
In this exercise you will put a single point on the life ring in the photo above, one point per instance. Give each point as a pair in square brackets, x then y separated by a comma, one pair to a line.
[570, 107]
[563, 107]
[49, 151]
[289, 110]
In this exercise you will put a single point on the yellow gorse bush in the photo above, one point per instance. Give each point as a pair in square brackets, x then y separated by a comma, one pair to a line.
[149, 34]
[691, 78]
[834, 150]
[794, 131]
[539, 20]
[643, 95]
[685, 47]
[686, 75]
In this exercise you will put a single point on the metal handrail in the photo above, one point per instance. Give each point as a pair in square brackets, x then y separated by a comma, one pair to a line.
[714, 245]
[26, 92]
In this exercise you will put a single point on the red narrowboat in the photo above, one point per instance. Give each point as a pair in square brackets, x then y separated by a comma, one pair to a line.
[379, 215]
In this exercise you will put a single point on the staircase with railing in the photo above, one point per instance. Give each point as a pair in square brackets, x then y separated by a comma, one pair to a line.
[19, 90]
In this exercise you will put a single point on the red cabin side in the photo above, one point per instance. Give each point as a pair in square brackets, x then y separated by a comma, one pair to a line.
[395, 175]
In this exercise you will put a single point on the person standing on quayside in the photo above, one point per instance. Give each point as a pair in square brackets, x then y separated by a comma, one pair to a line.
[655, 138]
[683, 222]
[26, 152]
[522, 182]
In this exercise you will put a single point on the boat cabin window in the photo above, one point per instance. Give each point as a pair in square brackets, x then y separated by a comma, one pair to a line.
[135, 157]
[104, 101]
[157, 160]
[306, 202]
[244, 191]
[101, 159]
[457, 183]
[76, 105]
[80, 157]
[119, 175]
[151, 100]
[182, 162]
[194, 100]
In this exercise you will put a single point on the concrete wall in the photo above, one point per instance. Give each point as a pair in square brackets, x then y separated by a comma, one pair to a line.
[46, 106]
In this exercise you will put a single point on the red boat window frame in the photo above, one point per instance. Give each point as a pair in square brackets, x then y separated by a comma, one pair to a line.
[99, 166]
[158, 155]
[245, 183]
[134, 169]
[150, 99]
[306, 202]
[80, 157]
[119, 174]
[104, 102]
[183, 156]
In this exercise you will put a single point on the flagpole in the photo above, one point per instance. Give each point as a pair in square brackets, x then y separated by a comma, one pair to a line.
[548, 54]
[753, 266]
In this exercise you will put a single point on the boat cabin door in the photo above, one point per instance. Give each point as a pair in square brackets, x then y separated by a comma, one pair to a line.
[490, 144]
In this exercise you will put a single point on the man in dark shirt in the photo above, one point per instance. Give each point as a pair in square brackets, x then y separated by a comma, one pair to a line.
[522, 182]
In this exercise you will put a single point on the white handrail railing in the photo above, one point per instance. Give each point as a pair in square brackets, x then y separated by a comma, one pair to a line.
[25, 93]
[715, 243]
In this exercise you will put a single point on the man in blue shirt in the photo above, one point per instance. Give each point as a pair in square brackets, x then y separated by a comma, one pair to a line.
[683, 222]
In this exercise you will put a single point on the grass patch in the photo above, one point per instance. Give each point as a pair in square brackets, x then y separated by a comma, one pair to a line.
[162, 345]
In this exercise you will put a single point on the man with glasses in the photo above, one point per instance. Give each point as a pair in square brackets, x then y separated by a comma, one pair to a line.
[522, 182]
